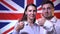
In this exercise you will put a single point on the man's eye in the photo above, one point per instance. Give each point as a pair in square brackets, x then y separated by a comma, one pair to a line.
[43, 8]
[34, 10]
[48, 8]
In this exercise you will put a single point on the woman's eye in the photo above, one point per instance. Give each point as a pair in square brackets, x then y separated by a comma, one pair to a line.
[30, 10]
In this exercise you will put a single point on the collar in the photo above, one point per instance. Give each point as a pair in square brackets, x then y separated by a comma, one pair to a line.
[54, 19]
[26, 23]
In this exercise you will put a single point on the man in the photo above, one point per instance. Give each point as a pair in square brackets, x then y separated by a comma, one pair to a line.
[49, 22]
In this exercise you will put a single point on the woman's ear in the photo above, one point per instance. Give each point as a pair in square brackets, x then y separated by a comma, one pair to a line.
[26, 12]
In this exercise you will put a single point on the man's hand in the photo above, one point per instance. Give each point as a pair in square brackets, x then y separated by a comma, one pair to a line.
[41, 21]
[20, 26]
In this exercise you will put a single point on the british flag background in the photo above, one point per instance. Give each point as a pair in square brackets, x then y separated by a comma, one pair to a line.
[12, 10]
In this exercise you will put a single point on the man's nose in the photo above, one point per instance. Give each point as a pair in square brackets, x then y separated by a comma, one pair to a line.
[32, 12]
[46, 10]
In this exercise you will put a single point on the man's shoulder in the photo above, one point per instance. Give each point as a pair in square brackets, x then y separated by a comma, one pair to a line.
[58, 20]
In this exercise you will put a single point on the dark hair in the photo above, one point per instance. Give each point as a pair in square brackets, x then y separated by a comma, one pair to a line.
[46, 2]
[24, 18]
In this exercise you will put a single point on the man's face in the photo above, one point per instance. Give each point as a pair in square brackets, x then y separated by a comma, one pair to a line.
[47, 10]
[31, 12]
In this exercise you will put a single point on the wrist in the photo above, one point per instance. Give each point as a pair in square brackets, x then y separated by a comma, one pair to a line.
[17, 30]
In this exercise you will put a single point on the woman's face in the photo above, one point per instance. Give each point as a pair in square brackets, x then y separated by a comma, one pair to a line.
[31, 12]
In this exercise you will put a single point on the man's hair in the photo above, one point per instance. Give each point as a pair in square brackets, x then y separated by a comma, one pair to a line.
[47, 2]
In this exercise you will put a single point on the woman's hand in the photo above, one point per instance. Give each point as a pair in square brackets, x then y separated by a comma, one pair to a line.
[20, 26]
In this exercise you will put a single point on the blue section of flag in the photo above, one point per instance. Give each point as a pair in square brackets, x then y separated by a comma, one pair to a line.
[38, 2]
[19, 2]
[57, 7]
[3, 8]
[2, 24]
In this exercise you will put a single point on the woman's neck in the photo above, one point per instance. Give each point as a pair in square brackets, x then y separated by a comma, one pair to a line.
[30, 22]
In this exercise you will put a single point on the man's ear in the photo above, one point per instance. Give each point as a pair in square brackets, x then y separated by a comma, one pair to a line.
[52, 11]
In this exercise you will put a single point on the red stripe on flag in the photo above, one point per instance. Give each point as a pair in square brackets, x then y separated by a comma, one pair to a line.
[39, 8]
[8, 30]
[8, 5]
[38, 15]
[30, 1]
[15, 16]
[57, 15]
[10, 16]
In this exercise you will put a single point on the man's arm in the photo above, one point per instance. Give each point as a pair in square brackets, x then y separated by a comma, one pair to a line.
[49, 27]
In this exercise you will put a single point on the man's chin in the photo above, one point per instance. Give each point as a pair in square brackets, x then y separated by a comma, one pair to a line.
[48, 17]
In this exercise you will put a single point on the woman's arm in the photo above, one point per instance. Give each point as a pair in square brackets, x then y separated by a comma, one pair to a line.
[18, 27]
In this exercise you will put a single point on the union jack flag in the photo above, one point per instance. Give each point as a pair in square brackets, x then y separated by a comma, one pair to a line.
[12, 10]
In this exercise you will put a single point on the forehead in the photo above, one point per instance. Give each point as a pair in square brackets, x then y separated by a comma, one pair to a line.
[31, 7]
[47, 5]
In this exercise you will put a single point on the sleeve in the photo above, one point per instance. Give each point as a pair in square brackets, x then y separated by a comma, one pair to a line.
[14, 31]
[48, 25]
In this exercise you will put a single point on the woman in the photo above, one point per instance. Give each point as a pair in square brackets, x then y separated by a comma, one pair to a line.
[27, 25]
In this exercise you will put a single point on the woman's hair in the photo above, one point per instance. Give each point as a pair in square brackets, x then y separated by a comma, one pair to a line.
[24, 18]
